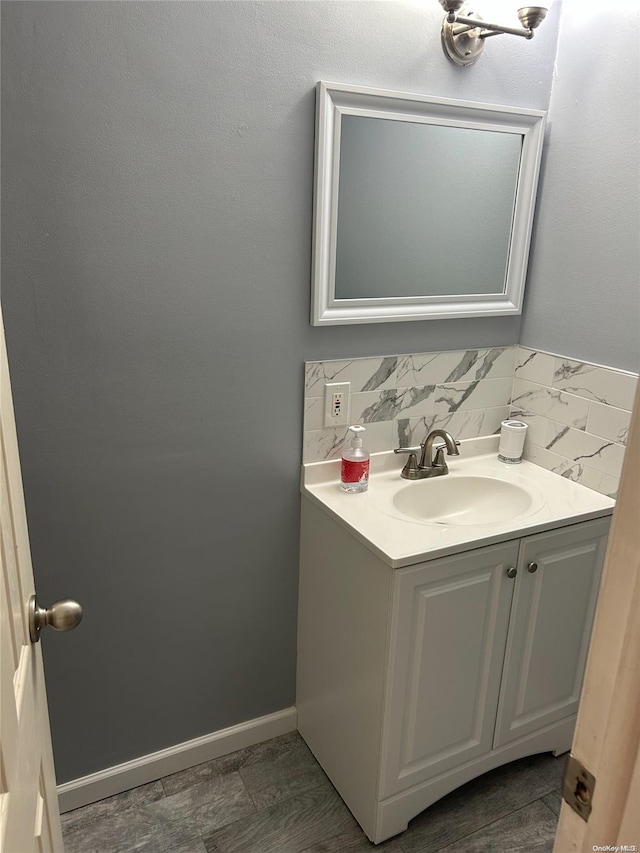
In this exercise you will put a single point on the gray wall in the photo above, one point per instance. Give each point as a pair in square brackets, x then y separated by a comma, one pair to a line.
[583, 288]
[157, 169]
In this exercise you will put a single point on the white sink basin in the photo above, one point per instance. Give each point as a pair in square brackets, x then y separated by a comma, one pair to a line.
[479, 502]
[462, 500]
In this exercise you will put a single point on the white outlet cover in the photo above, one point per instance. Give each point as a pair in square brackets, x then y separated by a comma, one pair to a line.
[330, 389]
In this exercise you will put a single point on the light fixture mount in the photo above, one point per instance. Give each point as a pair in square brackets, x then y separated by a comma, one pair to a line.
[464, 32]
[465, 47]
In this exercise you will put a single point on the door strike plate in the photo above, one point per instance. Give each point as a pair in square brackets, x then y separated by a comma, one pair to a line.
[578, 787]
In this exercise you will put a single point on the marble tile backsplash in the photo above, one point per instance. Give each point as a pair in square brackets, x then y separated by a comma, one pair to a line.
[578, 413]
[401, 398]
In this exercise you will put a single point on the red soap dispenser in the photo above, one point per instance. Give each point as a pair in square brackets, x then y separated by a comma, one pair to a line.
[354, 474]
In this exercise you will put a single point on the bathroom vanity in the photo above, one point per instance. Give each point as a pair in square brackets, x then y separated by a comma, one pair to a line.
[433, 649]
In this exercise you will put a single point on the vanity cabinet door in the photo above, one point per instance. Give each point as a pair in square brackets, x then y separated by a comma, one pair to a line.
[551, 618]
[449, 627]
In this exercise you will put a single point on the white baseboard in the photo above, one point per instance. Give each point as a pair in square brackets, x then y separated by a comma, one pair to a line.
[148, 768]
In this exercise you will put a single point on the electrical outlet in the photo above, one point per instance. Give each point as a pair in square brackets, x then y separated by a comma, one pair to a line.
[336, 403]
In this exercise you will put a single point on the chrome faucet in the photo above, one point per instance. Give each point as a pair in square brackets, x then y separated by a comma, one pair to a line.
[429, 465]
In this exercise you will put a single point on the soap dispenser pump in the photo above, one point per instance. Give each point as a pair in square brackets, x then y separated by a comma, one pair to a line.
[354, 473]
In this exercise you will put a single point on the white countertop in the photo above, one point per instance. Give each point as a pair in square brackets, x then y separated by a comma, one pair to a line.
[402, 542]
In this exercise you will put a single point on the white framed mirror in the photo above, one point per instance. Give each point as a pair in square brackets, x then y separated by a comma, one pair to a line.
[423, 206]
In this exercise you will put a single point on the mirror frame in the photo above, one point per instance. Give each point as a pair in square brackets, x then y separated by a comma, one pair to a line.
[337, 99]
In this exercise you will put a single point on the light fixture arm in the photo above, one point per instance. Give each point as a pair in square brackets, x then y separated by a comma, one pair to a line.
[464, 32]
[463, 24]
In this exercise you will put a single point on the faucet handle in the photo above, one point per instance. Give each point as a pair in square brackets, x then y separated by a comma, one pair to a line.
[411, 469]
[439, 447]
[439, 457]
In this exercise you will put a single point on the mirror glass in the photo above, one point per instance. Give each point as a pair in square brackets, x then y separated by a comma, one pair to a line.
[423, 206]
[397, 201]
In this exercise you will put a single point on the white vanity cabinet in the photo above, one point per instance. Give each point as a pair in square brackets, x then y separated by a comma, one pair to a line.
[554, 600]
[413, 681]
[450, 620]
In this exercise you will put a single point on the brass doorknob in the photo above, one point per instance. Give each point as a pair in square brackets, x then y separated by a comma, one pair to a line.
[64, 615]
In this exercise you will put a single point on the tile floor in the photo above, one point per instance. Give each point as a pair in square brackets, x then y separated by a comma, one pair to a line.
[275, 798]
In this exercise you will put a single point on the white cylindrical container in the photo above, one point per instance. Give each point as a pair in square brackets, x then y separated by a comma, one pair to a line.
[512, 436]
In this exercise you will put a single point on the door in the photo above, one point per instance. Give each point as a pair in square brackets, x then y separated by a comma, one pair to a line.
[607, 738]
[551, 618]
[29, 817]
[450, 620]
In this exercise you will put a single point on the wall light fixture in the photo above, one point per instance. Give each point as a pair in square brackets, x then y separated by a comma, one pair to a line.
[464, 32]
